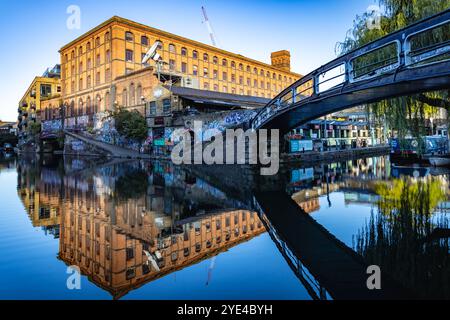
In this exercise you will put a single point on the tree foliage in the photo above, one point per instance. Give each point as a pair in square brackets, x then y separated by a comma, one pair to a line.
[405, 114]
[130, 124]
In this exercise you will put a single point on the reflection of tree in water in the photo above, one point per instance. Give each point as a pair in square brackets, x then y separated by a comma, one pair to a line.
[402, 239]
[131, 185]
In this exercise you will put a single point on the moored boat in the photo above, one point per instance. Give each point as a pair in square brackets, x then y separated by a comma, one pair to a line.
[440, 161]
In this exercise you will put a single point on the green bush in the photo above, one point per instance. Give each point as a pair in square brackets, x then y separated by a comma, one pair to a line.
[130, 124]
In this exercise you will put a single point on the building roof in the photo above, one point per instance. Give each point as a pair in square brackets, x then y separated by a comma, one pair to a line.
[175, 37]
[217, 98]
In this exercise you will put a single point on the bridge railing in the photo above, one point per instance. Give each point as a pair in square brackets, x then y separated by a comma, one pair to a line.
[423, 43]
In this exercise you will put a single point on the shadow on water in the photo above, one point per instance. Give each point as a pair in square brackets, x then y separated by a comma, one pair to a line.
[128, 223]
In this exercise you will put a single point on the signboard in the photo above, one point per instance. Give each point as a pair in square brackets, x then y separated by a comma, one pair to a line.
[301, 145]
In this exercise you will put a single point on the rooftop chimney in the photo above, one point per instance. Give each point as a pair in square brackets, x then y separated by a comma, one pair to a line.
[281, 59]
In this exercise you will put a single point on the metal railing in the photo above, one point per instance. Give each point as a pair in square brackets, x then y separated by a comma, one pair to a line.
[394, 51]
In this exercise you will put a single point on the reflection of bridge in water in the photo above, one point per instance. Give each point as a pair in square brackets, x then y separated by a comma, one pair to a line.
[122, 240]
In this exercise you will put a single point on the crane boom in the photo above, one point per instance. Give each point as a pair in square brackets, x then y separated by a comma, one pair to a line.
[210, 30]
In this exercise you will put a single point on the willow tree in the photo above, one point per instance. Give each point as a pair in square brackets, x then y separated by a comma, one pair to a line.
[405, 114]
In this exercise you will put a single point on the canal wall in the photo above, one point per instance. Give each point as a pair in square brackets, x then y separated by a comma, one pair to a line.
[335, 155]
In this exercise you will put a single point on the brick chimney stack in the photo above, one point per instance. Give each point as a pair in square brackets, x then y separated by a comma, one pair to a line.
[281, 59]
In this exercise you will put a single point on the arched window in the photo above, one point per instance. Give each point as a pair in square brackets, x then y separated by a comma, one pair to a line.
[224, 62]
[88, 46]
[98, 100]
[80, 51]
[274, 76]
[184, 52]
[160, 45]
[72, 108]
[124, 98]
[144, 41]
[233, 65]
[172, 48]
[261, 73]
[80, 107]
[97, 42]
[255, 71]
[241, 66]
[215, 60]
[132, 95]
[107, 36]
[194, 54]
[205, 57]
[139, 93]
[88, 105]
[248, 68]
[129, 36]
[107, 101]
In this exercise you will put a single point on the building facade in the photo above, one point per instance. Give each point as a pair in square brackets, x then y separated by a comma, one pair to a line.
[102, 69]
[42, 88]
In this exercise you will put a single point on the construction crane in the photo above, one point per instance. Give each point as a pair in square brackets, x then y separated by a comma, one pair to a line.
[208, 25]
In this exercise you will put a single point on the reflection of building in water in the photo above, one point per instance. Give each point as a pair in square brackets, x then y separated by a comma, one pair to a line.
[39, 191]
[121, 236]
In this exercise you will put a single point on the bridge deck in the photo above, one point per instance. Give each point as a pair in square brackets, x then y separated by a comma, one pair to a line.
[336, 267]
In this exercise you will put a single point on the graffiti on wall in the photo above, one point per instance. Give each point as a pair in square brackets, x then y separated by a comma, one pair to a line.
[51, 126]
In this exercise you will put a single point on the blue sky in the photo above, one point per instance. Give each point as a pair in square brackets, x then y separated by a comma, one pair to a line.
[34, 31]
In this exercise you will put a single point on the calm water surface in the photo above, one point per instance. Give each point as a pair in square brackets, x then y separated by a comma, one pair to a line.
[140, 230]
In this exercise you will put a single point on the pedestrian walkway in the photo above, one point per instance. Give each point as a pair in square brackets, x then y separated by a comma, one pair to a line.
[113, 150]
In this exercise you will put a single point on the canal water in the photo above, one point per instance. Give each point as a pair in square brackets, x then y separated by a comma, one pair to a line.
[150, 230]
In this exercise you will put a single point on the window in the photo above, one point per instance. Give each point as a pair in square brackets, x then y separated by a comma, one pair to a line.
[107, 102]
[241, 66]
[194, 70]
[124, 98]
[225, 89]
[194, 54]
[248, 68]
[139, 93]
[215, 60]
[184, 52]
[80, 85]
[172, 64]
[248, 81]
[129, 55]
[206, 86]
[80, 51]
[97, 42]
[241, 80]
[172, 48]
[215, 74]
[233, 65]
[46, 90]
[89, 63]
[88, 46]
[184, 67]
[166, 105]
[216, 87]
[233, 90]
[97, 78]
[205, 57]
[255, 71]
[144, 41]
[88, 82]
[255, 83]
[107, 37]
[129, 36]
[160, 45]
[233, 78]
[153, 108]
[205, 72]
[72, 55]
[132, 95]
[224, 62]
[274, 76]
[262, 84]
[97, 60]
[108, 75]
[108, 56]
[80, 67]
[224, 76]
[261, 73]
